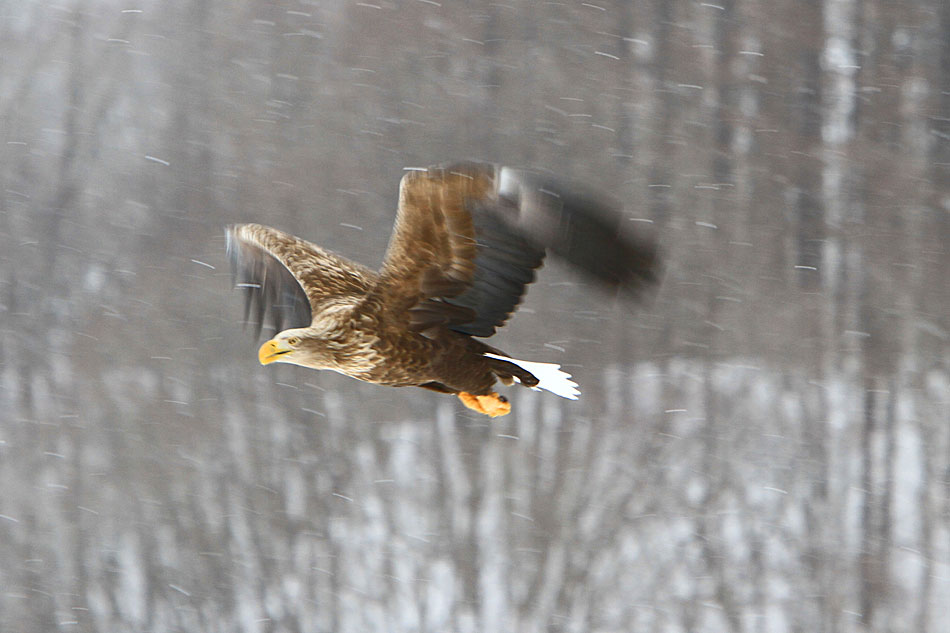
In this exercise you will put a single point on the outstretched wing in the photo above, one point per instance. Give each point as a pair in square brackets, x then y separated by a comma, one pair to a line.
[469, 237]
[287, 280]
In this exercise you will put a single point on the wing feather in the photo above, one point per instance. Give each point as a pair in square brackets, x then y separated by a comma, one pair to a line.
[431, 255]
[469, 237]
[579, 227]
[289, 281]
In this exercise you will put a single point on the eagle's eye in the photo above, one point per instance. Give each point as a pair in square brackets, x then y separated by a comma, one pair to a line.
[293, 341]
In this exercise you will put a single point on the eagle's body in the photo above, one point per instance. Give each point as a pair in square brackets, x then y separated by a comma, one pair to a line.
[466, 243]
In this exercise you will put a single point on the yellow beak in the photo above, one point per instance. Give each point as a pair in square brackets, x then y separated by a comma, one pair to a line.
[270, 351]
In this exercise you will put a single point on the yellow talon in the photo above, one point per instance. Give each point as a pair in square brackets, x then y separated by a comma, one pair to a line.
[492, 405]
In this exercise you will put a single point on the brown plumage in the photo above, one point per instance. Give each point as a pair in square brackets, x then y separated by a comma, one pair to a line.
[466, 243]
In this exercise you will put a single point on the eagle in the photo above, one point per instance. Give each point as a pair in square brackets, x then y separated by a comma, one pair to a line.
[467, 241]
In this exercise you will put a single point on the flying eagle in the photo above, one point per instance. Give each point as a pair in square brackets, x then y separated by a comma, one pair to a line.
[466, 243]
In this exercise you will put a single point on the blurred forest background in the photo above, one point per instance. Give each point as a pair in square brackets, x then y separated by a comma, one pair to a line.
[762, 447]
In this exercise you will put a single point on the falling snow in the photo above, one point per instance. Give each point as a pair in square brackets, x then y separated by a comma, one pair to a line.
[760, 446]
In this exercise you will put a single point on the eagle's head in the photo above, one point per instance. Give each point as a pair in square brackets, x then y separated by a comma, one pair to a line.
[297, 346]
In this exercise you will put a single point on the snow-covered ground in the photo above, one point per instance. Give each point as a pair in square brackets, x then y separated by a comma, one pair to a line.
[696, 496]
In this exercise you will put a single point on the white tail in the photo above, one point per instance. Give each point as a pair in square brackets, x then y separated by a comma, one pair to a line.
[549, 375]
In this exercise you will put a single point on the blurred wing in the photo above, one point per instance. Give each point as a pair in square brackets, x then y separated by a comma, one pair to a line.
[578, 227]
[287, 281]
[469, 237]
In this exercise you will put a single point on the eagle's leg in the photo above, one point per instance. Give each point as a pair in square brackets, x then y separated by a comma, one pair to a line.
[492, 405]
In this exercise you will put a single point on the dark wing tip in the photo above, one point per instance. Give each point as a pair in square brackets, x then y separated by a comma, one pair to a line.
[582, 229]
[272, 295]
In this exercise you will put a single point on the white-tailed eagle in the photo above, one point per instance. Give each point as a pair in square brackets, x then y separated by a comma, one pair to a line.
[466, 243]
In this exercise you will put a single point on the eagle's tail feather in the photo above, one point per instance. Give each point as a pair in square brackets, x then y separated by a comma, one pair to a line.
[549, 375]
